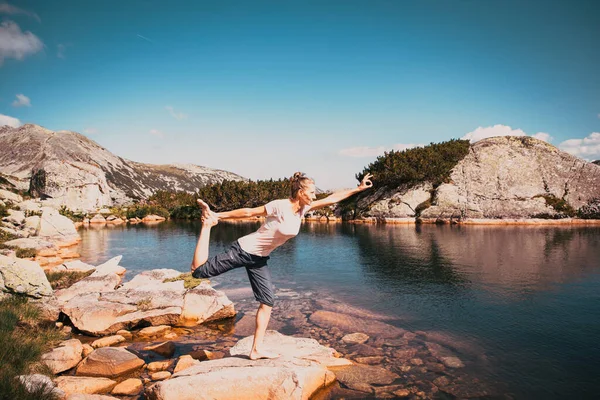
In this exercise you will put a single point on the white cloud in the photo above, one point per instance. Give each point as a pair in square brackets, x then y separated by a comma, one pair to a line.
[502, 130]
[587, 148]
[366, 151]
[6, 8]
[174, 114]
[90, 131]
[156, 132]
[15, 43]
[22, 101]
[10, 121]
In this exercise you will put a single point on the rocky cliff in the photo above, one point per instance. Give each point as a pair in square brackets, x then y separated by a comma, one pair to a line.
[82, 175]
[501, 177]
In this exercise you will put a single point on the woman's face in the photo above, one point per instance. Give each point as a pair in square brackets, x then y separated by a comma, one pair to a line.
[307, 194]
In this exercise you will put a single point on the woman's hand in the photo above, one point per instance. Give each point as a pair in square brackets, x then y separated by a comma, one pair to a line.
[366, 182]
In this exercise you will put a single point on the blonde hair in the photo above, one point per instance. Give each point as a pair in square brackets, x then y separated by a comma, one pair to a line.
[299, 181]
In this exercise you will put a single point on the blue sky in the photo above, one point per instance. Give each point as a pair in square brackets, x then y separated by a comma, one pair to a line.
[264, 89]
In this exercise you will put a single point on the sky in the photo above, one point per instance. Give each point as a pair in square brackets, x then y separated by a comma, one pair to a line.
[267, 88]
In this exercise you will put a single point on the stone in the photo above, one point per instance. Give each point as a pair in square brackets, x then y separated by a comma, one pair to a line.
[25, 277]
[108, 341]
[66, 356]
[84, 384]
[204, 304]
[354, 375]
[75, 266]
[292, 348]
[109, 362]
[80, 396]
[110, 267]
[165, 349]
[126, 334]
[129, 387]
[89, 285]
[441, 381]
[97, 219]
[355, 338]
[452, 362]
[238, 378]
[160, 376]
[201, 355]
[372, 360]
[401, 393]
[87, 350]
[15, 217]
[152, 218]
[185, 362]
[40, 384]
[153, 331]
[54, 225]
[160, 365]
[344, 322]
[365, 350]
[31, 243]
[10, 196]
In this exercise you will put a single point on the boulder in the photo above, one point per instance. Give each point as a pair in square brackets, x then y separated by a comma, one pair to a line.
[165, 349]
[185, 362]
[89, 285]
[66, 356]
[30, 206]
[239, 378]
[153, 218]
[292, 348]
[203, 304]
[109, 362]
[129, 387]
[84, 384]
[31, 243]
[159, 365]
[10, 196]
[110, 267]
[24, 277]
[348, 323]
[97, 219]
[15, 217]
[32, 224]
[355, 338]
[160, 376]
[73, 266]
[56, 226]
[108, 341]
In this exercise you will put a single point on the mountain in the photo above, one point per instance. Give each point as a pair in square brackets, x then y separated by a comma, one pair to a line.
[82, 175]
[508, 177]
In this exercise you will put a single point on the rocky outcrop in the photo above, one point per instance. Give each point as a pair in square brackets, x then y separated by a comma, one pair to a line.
[80, 174]
[297, 374]
[96, 306]
[500, 178]
[24, 277]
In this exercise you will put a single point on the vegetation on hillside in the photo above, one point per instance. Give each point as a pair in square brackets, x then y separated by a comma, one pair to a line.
[431, 163]
[23, 339]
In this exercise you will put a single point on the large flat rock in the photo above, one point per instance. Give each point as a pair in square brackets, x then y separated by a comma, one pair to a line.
[349, 323]
[109, 362]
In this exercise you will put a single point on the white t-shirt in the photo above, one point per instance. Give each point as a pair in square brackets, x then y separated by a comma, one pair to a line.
[280, 225]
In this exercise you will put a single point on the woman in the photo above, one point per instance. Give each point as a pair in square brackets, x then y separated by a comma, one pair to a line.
[283, 218]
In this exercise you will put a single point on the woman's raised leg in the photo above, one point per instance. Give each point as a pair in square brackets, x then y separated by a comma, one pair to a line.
[209, 219]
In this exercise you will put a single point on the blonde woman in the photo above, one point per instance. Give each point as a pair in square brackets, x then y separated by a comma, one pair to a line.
[282, 222]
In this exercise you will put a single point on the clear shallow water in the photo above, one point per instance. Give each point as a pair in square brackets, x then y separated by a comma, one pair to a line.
[527, 299]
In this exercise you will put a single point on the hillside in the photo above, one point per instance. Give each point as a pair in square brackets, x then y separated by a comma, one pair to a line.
[82, 175]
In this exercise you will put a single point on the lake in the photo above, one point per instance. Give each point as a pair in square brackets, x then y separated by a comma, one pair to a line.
[527, 298]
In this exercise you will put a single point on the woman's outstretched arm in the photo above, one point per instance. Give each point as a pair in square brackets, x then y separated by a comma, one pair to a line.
[243, 213]
[344, 194]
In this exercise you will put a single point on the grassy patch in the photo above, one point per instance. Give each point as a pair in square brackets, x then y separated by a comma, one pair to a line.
[3, 211]
[26, 253]
[22, 342]
[72, 215]
[188, 280]
[65, 279]
[144, 304]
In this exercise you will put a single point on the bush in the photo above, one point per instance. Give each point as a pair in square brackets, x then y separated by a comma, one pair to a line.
[140, 211]
[561, 206]
[72, 215]
[431, 163]
[3, 211]
[22, 342]
[26, 253]
[590, 210]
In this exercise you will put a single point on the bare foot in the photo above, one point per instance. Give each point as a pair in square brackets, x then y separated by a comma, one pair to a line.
[257, 355]
[205, 208]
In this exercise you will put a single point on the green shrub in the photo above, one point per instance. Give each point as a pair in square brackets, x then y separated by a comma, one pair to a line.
[5, 237]
[26, 253]
[140, 211]
[561, 206]
[72, 215]
[3, 211]
[431, 163]
[22, 342]
[32, 213]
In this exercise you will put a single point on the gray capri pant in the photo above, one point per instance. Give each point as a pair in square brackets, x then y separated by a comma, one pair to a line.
[236, 257]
